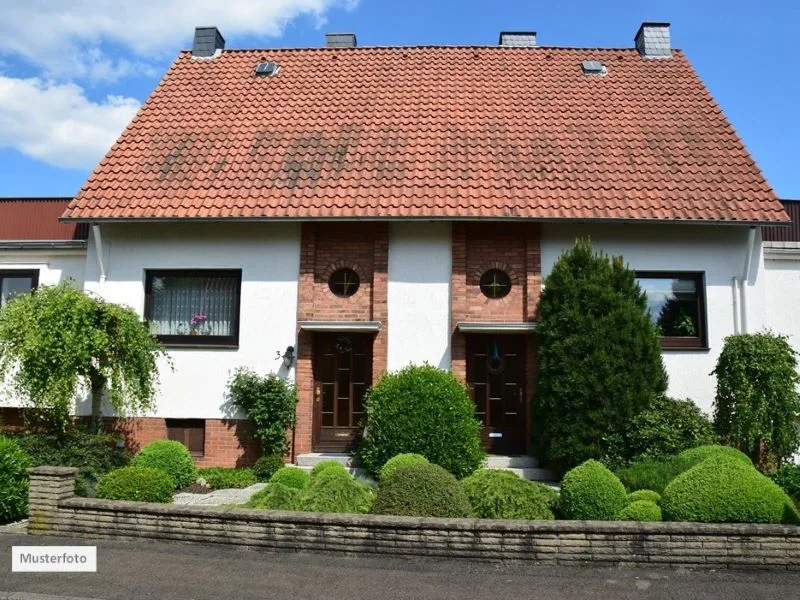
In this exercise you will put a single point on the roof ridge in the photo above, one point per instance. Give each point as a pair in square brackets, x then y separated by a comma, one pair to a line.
[425, 47]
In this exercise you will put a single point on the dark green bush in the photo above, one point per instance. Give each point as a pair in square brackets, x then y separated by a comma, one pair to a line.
[276, 496]
[13, 480]
[266, 466]
[221, 478]
[270, 403]
[649, 495]
[788, 477]
[401, 460]
[495, 494]
[757, 401]
[334, 492]
[140, 484]
[93, 455]
[665, 428]
[723, 489]
[291, 477]
[640, 510]
[422, 490]
[171, 457]
[325, 465]
[422, 410]
[651, 473]
[599, 356]
[591, 492]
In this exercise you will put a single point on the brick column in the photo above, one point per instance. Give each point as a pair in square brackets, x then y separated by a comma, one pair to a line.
[533, 290]
[458, 300]
[303, 371]
[48, 487]
[380, 293]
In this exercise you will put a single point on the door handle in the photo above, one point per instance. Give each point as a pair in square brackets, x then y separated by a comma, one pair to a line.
[317, 392]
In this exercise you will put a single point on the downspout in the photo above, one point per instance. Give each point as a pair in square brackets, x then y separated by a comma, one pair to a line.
[751, 240]
[734, 298]
[98, 248]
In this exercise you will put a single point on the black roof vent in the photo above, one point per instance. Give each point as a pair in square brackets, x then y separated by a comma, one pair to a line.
[340, 40]
[593, 67]
[207, 42]
[266, 69]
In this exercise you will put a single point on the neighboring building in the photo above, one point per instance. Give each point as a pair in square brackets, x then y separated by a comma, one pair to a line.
[375, 207]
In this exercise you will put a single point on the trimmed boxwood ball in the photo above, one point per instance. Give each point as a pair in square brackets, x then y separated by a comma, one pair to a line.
[171, 457]
[332, 492]
[591, 492]
[291, 477]
[422, 490]
[648, 495]
[401, 460]
[724, 489]
[424, 410]
[13, 480]
[275, 496]
[325, 465]
[694, 456]
[640, 510]
[140, 484]
[267, 466]
[495, 494]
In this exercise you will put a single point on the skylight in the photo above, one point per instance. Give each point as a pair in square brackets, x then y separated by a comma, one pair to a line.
[266, 69]
[593, 67]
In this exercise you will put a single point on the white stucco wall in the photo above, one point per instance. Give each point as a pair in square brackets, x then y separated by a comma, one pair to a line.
[717, 251]
[269, 256]
[54, 266]
[782, 280]
[419, 294]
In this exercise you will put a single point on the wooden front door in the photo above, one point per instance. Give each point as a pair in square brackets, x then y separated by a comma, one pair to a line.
[496, 376]
[342, 373]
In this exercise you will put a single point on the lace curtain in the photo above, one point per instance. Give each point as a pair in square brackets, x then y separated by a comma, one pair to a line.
[193, 305]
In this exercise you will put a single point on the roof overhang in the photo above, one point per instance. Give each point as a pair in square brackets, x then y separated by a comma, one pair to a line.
[343, 326]
[500, 327]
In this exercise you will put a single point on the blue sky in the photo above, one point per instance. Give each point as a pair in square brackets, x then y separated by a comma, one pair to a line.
[73, 73]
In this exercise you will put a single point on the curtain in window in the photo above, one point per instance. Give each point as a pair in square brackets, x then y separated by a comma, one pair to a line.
[11, 285]
[193, 305]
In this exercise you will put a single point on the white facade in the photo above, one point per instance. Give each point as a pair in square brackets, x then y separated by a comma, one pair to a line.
[269, 257]
[782, 280]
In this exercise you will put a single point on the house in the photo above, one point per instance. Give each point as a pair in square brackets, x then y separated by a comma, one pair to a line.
[331, 213]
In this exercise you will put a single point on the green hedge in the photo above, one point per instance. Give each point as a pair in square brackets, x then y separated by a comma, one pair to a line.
[326, 465]
[291, 477]
[422, 410]
[401, 460]
[13, 480]
[788, 477]
[422, 490]
[333, 492]
[649, 495]
[724, 489]
[141, 484]
[267, 466]
[275, 496]
[640, 510]
[171, 457]
[221, 478]
[591, 492]
[495, 494]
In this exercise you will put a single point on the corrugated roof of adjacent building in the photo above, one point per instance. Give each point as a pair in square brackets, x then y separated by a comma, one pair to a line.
[36, 219]
[785, 234]
[429, 132]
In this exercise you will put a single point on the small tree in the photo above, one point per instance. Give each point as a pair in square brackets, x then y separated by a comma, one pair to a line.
[57, 341]
[599, 356]
[757, 404]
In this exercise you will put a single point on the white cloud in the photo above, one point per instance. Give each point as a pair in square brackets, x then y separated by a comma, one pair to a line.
[57, 123]
[83, 38]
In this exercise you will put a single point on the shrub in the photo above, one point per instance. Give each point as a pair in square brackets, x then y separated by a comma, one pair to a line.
[275, 496]
[422, 410]
[401, 460]
[142, 484]
[220, 478]
[651, 474]
[723, 489]
[291, 477]
[171, 457]
[266, 466]
[788, 477]
[665, 428]
[334, 492]
[757, 402]
[495, 494]
[694, 456]
[422, 490]
[325, 465]
[649, 495]
[591, 492]
[599, 356]
[93, 455]
[13, 480]
[269, 402]
[640, 510]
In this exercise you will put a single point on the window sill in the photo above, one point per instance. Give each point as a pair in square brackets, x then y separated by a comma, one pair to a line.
[685, 349]
[178, 346]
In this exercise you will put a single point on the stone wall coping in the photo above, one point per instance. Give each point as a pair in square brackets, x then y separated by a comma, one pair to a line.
[431, 523]
[53, 471]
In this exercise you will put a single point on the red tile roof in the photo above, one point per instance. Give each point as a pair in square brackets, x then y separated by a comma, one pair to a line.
[36, 219]
[439, 132]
